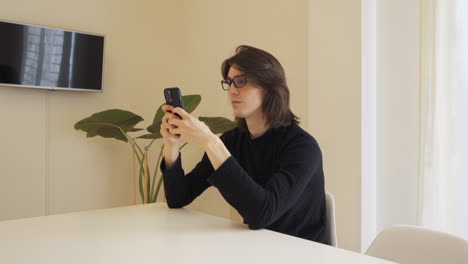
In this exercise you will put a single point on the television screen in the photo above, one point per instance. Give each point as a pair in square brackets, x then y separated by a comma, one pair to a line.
[42, 57]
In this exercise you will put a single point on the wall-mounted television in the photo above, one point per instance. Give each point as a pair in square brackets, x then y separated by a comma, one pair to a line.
[50, 58]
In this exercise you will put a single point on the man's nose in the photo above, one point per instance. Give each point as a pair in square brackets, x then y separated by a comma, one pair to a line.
[233, 89]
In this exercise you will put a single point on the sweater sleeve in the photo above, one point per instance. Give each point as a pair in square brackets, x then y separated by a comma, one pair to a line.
[260, 205]
[182, 189]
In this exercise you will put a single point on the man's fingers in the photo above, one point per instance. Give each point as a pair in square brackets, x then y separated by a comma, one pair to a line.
[181, 112]
[168, 117]
[174, 121]
[166, 125]
[175, 131]
[165, 132]
[167, 108]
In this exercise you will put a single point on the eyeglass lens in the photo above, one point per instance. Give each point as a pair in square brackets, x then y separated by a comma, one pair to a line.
[239, 81]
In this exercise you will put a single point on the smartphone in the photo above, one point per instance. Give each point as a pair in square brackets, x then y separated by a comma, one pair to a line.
[173, 97]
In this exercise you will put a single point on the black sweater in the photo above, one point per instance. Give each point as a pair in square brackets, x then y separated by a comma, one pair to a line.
[274, 181]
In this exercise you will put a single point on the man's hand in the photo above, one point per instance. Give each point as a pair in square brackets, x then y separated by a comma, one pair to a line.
[190, 129]
[169, 138]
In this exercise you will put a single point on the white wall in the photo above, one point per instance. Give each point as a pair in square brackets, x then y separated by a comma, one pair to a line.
[398, 111]
[390, 179]
[369, 123]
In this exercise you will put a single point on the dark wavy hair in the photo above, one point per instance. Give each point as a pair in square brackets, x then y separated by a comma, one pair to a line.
[266, 71]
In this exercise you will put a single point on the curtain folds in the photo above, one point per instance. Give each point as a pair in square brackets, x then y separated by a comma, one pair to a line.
[443, 167]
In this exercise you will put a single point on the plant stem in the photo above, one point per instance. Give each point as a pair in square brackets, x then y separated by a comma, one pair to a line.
[140, 178]
[185, 144]
[159, 186]
[140, 161]
[151, 143]
[137, 146]
[147, 176]
[155, 195]
[132, 141]
[133, 144]
[161, 179]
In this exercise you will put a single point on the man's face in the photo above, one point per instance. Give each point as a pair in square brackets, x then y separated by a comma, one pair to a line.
[245, 101]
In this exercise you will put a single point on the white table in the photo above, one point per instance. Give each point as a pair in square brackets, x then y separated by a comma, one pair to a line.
[155, 234]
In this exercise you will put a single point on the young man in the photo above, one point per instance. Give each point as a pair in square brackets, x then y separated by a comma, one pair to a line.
[268, 168]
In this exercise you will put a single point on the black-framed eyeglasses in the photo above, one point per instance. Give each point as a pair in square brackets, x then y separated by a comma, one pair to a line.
[239, 82]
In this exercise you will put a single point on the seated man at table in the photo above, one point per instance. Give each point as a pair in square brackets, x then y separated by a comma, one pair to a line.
[268, 168]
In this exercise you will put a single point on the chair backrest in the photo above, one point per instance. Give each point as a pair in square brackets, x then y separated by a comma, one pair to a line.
[330, 200]
[412, 244]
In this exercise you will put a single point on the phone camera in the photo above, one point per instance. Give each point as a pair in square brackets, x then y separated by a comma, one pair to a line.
[167, 94]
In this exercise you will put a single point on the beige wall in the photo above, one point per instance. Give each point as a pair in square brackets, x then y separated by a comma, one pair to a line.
[47, 166]
[213, 30]
[156, 44]
[318, 43]
[22, 148]
[335, 106]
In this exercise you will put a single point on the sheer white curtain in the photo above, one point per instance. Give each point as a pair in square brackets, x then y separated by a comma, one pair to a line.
[443, 179]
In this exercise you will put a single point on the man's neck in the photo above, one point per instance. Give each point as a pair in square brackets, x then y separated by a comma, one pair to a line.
[256, 126]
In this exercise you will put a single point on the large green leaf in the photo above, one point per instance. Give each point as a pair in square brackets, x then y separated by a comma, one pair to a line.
[151, 136]
[154, 129]
[191, 102]
[109, 124]
[159, 115]
[218, 125]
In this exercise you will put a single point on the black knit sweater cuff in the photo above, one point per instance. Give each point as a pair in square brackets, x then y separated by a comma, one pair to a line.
[221, 175]
[175, 168]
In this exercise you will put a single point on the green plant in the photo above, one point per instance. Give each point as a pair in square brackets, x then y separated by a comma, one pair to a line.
[117, 124]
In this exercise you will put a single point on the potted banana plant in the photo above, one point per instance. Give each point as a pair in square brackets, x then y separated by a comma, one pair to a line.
[119, 124]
